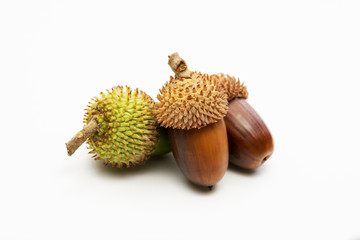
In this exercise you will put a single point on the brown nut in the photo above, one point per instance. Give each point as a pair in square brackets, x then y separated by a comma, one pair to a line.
[192, 109]
[250, 141]
[202, 155]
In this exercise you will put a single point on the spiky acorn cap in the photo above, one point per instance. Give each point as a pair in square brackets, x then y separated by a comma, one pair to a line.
[127, 132]
[187, 103]
[232, 86]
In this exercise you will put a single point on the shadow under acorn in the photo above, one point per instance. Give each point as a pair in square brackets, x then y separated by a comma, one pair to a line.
[242, 171]
[163, 164]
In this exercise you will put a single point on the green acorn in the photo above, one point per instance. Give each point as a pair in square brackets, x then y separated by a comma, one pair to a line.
[120, 128]
[163, 145]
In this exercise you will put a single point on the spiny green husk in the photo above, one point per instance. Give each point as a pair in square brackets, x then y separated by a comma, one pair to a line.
[127, 133]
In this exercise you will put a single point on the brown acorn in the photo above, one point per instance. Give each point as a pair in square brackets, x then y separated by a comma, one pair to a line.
[192, 108]
[250, 141]
[201, 154]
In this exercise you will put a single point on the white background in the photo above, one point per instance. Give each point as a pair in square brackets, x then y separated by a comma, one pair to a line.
[299, 59]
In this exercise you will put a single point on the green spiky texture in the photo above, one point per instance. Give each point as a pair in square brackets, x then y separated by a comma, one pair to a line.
[127, 133]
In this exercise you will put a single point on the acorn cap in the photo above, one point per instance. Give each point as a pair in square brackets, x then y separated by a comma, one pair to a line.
[187, 103]
[232, 86]
[127, 133]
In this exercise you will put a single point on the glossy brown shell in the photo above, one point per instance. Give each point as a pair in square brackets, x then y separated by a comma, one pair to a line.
[250, 141]
[201, 154]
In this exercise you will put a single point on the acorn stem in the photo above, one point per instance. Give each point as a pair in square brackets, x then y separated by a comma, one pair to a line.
[89, 130]
[179, 66]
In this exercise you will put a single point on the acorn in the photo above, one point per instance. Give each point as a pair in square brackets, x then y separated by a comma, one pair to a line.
[163, 145]
[250, 141]
[120, 128]
[192, 107]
